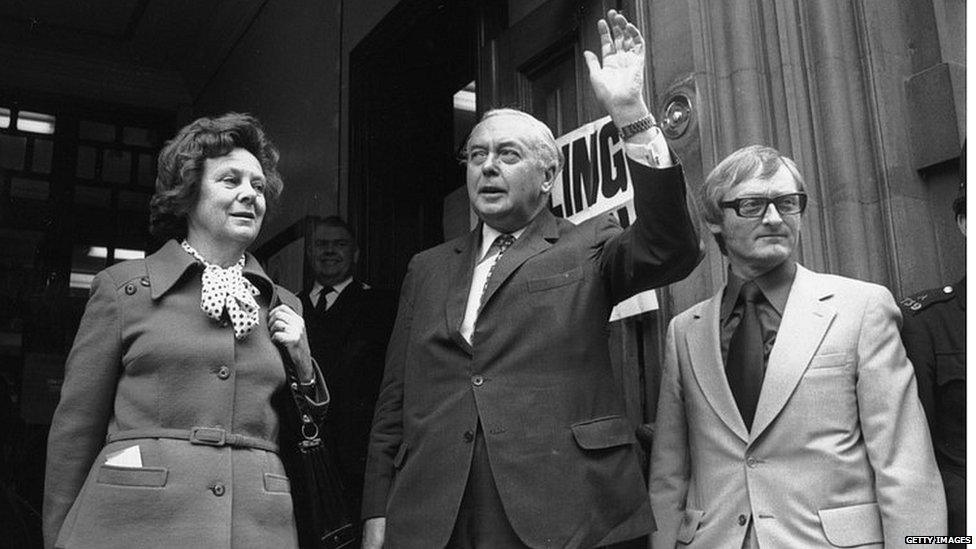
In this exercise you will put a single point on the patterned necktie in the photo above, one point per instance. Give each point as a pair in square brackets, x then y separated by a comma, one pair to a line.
[745, 365]
[501, 243]
[323, 303]
[227, 289]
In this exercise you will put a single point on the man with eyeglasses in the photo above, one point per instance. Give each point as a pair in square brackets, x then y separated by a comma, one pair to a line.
[788, 414]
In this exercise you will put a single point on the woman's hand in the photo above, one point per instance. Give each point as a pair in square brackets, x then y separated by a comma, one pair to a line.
[288, 330]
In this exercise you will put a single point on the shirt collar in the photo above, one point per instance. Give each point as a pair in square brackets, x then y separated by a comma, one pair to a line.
[775, 286]
[317, 287]
[168, 265]
[489, 234]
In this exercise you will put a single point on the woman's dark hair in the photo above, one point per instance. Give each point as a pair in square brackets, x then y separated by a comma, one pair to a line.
[181, 167]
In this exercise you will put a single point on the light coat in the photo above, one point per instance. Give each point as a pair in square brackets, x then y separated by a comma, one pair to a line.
[146, 356]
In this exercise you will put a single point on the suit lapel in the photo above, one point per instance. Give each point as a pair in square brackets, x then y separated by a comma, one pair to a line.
[462, 267]
[706, 362]
[806, 320]
[538, 236]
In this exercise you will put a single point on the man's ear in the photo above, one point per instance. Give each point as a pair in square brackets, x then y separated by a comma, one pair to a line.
[549, 180]
[714, 228]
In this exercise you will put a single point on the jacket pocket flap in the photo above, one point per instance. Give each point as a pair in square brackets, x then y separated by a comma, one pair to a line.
[852, 525]
[555, 281]
[689, 525]
[950, 367]
[153, 477]
[400, 455]
[276, 483]
[604, 432]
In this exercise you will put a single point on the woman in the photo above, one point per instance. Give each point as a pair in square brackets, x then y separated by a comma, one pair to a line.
[167, 428]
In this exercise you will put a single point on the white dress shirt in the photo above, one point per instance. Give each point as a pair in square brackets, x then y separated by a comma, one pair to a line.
[330, 297]
[481, 270]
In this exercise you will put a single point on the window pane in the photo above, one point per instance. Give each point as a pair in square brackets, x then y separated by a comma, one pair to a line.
[4, 118]
[115, 166]
[86, 162]
[85, 262]
[134, 202]
[29, 188]
[92, 196]
[147, 170]
[141, 137]
[96, 131]
[42, 156]
[35, 122]
[12, 150]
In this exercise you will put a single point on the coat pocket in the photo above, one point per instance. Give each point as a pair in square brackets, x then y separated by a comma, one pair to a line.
[828, 361]
[853, 525]
[604, 432]
[148, 477]
[950, 367]
[276, 484]
[689, 525]
[555, 281]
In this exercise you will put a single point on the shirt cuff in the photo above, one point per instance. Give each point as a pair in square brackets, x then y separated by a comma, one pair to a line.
[653, 154]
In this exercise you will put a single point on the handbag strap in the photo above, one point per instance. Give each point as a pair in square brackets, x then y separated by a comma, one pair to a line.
[307, 426]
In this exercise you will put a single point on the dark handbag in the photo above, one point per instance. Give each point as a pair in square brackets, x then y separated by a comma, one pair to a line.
[327, 507]
[323, 507]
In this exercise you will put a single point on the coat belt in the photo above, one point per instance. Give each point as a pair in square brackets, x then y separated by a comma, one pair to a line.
[205, 436]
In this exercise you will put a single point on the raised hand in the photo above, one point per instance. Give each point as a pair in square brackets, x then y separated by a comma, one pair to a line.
[619, 83]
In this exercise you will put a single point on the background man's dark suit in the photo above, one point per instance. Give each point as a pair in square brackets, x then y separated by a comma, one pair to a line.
[348, 340]
[537, 374]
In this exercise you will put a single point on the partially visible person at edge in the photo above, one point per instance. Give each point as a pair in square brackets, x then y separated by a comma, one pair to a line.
[349, 325]
[934, 334]
[167, 428]
[499, 423]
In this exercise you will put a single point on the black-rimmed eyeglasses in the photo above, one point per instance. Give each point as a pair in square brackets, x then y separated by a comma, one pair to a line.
[755, 206]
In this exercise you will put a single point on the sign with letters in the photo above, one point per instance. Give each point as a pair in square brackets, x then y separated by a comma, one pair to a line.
[594, 181]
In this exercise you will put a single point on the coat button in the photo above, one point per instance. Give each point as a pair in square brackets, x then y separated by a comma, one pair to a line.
[223, 372]
[224, 323]
[130, 289]
[751, 461]
[144, 281]
[468, 436]
[217, 489]
[743, 520]
[477, 381]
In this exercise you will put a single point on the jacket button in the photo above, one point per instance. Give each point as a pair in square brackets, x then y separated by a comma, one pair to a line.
[468, 436]
[743, 520]
[751, 461]
[130, 289]
[217, 489]
[224, 323]
[223, 372]
[144, 281]
[477, 381]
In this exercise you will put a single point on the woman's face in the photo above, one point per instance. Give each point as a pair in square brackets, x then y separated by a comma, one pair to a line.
[231, 204]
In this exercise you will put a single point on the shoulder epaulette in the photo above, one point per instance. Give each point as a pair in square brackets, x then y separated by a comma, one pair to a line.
[921, 300]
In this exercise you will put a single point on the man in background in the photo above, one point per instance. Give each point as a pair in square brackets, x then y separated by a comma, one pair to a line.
[348, 325]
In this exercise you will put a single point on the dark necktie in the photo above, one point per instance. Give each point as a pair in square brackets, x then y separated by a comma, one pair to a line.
[501, 243]
[745, 366]
[322, 304]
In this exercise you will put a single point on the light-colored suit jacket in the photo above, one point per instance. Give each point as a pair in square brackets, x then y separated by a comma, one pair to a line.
[839, 454]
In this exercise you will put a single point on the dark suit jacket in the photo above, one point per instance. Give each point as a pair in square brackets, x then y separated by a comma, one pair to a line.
[538, 376]
[349, 342]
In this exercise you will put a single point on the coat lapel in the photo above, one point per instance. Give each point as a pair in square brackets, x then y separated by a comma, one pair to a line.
[538, 236]
[706, 362]
[462, 267]
[806, 319]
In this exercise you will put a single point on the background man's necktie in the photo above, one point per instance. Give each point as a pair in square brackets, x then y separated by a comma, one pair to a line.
[322, 304]
[744, 366]
[501, 243]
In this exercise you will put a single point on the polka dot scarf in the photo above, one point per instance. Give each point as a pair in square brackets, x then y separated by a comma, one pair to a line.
[228, 289]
